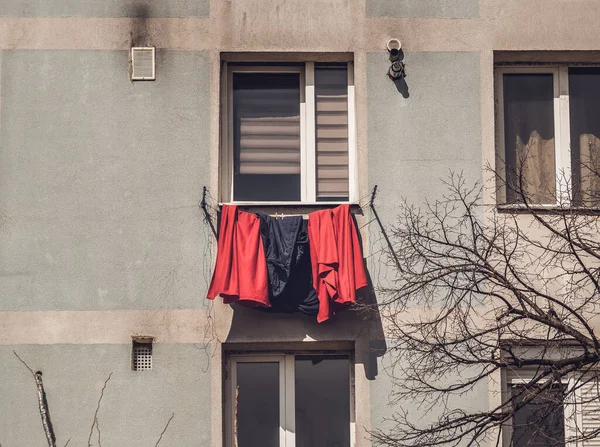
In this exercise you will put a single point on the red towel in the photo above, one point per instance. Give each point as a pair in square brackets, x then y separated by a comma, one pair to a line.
[241, 268]
[337, 264]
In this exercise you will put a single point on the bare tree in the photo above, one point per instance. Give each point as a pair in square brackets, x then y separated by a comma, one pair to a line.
[45, 412]
[484, 292]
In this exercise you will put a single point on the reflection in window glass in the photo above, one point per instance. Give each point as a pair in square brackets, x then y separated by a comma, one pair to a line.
[257, 417]
[584, 104]
[529, 137]
[266, 136]
[540, 422]
[322, 401]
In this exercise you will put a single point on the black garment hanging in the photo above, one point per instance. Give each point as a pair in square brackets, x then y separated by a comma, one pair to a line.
[286, 246]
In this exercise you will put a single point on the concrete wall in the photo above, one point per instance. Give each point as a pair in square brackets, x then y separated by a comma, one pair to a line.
[101, 237]
[135, 406]
[106, 8]
[101, 180]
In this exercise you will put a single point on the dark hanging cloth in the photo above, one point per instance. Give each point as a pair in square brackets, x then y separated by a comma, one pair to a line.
[285, 241]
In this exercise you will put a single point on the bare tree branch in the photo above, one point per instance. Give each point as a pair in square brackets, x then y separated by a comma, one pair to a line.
[42, 403]
[483, 290]
[164, 430]
[95, 421]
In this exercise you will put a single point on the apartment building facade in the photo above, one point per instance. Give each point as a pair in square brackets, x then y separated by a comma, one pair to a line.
[106, 253]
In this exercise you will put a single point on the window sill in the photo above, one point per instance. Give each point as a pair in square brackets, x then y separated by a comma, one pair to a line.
[291, 208]
[547, 209]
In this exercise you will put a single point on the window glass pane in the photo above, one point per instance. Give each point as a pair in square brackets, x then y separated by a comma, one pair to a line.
[529, 137]
[322, 401]
[584, 103]
[257, 417]
[266, 134]
[331, 105]
[540, 422]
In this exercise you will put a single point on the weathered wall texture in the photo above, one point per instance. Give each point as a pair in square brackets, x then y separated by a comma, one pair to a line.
[423, 8]
[104, 8]
[101, 236]
[100, 181]
[417, 137]
[134, 409]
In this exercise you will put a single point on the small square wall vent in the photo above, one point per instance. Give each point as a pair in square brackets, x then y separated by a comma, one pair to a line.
[142, 354]
[143, 64]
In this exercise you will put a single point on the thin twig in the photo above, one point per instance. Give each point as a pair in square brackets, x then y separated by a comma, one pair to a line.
[164, 430]
[95, 421]
[23, 362]
[69, 440]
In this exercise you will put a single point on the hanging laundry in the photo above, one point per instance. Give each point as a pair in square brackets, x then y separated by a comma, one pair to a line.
[285, 241]
[337, 264]
[241, 268]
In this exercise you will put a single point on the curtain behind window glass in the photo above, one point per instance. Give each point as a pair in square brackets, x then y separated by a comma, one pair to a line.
[529, 137]
[584, 104]
[266, 136]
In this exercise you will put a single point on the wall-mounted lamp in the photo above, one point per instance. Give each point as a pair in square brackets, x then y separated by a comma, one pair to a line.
[398, 68]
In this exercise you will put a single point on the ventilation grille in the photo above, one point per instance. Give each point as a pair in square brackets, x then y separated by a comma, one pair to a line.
[142, 356]
[142, 64]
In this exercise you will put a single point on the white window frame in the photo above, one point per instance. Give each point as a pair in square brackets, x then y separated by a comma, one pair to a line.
[287, 398]
[572, 417]
[562, 130]
[307, 133]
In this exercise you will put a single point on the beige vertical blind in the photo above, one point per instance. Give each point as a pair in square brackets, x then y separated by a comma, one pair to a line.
[536, 164]
[589, 147]
[331, 125]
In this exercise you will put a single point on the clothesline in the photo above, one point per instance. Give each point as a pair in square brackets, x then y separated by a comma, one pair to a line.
[206, 206]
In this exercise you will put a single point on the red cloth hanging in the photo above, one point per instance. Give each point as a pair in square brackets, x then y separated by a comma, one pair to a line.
[241, 269]
[337, 264]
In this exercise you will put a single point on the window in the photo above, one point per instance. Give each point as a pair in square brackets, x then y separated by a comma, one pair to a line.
[549, 135]
[563, 414]
[288, 133]
[287, 400]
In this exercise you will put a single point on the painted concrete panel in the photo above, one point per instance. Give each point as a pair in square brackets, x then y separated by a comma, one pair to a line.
[416, 137]
[100, 181]
[136, 404]
[289, 25]
[104, 8]
[423, 8]
[384, 407]
[416, 141]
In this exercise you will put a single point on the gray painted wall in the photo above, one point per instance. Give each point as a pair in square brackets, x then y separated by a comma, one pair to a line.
[100, 180]
[414, 143]
[383, 405]
[104, 8]
[423, 8]
[136, 405]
